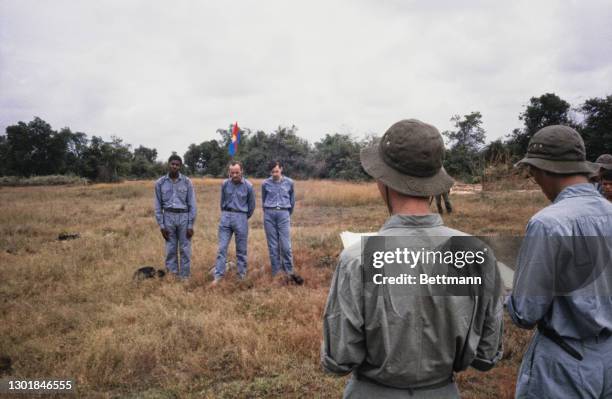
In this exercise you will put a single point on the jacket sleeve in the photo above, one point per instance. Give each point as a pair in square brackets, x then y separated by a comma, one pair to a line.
[222, 194]
[251, 201]
[191, 205]
[343, 346]
[263, 194]
[488, 322]
[490, 348]
[159, 215]
[292, 197]
[532, 290]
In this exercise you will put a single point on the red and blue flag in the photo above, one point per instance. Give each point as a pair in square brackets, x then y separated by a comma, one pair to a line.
[233, 147]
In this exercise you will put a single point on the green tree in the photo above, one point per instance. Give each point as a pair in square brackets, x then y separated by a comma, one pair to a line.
[283, 144]
[596, 128]
[337, 157]
[149, 154]
[106, 161]
[4, 154]
[34, 149]
[76, 143]
[206, 158]
[548, 109]
[469, 132]
[255, 154]
[463, 158]
[143, 163]
[496, 152]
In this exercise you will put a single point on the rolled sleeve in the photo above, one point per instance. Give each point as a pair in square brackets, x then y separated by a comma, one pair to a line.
[343, 346]
[526, 311]
[490, 348]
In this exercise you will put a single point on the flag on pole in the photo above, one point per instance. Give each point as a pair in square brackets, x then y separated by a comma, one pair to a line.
[233, 147]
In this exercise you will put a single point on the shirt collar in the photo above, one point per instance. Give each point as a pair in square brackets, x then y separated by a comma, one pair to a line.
[576, 190]
[180, 176]
[415, 221]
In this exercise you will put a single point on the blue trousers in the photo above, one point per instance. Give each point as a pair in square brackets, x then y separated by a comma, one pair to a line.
[238, 224]
[547, 371]
[277, 225]
[176, 224]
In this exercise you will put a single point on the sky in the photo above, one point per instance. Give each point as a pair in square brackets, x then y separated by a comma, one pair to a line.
[167, 74]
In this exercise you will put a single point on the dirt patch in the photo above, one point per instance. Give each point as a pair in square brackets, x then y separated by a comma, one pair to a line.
[462, 189]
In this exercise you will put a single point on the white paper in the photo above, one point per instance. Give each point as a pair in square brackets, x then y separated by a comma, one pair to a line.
[507, 275]
[349, 238]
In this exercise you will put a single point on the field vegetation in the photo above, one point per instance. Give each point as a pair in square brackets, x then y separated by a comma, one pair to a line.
[71, 309]
[49, 180]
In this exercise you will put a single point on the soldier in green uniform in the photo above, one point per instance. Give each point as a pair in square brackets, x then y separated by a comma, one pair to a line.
[397, 345]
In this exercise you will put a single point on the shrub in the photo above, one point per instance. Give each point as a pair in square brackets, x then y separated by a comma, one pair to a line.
[51, 180]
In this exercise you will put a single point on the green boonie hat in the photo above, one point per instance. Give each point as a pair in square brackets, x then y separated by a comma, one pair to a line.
[604, 161]
[558, 149]
[408, 159]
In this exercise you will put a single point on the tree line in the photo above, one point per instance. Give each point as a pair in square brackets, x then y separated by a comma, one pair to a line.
[467, 155]
[35, 149]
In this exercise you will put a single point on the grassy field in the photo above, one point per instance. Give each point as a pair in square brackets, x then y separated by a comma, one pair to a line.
[71, 309]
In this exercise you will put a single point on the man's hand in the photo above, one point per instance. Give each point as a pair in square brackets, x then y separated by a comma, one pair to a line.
[165, 234]
[189, 234]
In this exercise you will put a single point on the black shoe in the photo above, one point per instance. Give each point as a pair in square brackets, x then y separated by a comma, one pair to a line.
[297, 279]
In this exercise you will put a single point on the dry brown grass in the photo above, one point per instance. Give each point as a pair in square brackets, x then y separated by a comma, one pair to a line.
[70, 309]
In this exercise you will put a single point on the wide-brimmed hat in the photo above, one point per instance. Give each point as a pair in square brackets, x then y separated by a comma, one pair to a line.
[558, 149]
[408, 159]
[604, 161]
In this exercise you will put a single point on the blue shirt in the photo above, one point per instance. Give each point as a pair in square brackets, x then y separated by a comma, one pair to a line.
[178, 194]
[238, 197]
[278, 193]
[550, 240]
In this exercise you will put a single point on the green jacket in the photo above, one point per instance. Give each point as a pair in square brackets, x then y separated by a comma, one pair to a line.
[409, 341]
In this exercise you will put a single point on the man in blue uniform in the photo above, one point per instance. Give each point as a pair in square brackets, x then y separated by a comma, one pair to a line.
[175, 212]
[605, 167]
[278, 198]
[561, 284]
[237, 206]
[605, 184]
